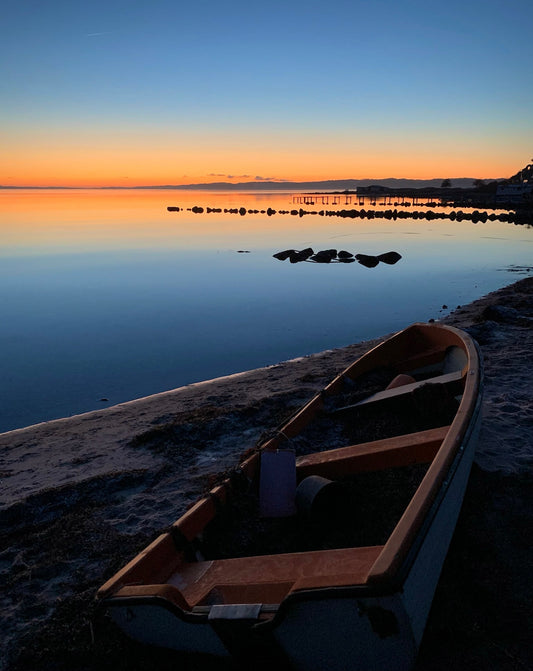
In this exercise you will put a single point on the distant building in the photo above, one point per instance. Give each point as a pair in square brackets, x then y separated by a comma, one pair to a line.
[518, 189]
[514, 193]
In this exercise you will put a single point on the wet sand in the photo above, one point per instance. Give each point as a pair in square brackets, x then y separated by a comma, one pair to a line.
[81, 496]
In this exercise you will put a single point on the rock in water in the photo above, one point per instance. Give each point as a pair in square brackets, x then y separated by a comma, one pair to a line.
[325, 256]
[389, 257]
[305, 253]
[367, 261]
[284, 255]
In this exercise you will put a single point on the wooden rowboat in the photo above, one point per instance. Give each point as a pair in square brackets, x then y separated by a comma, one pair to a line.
[324, 547]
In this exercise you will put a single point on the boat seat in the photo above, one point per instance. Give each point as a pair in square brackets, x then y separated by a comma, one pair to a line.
[410, 448]
[395, 392]
[267, 579]
[400, 380]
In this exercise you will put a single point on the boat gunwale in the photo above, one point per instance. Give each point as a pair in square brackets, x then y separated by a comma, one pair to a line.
[402, 538]
[388, 586]
[388, 565]
[387, 572]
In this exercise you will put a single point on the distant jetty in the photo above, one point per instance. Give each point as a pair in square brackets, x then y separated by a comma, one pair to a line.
[516, 216]
[508, 200]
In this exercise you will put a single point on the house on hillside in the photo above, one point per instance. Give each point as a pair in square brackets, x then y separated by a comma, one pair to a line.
[518, 189]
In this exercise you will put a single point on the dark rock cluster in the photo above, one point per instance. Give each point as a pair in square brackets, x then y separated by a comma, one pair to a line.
[334, 256]
[475, 216]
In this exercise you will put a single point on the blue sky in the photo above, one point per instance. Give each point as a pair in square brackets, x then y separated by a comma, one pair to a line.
[290, 89]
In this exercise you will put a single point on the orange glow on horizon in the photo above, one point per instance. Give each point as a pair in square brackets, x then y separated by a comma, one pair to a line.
[145, 165]
[70, 180]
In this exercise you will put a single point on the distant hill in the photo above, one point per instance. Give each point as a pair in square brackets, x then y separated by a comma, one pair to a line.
[323, 185]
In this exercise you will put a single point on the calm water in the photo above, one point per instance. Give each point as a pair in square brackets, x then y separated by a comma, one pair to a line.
[106, 295]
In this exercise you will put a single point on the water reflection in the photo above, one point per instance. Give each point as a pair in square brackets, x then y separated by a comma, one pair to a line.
[107, 295]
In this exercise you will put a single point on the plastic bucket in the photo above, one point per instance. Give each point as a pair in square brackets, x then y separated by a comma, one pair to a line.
[316, 496]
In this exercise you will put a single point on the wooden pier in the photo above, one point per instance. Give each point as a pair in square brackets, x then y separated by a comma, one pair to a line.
[362, 199]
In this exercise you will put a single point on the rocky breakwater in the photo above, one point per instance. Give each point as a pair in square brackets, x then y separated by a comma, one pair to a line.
[334, 256]
[519, 216]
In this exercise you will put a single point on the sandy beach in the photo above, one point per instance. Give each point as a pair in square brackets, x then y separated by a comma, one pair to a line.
[81, 496]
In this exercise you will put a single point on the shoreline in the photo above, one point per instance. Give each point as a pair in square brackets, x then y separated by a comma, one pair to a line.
[82, 495]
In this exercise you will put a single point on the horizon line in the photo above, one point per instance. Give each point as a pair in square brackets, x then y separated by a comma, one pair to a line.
[262, 184]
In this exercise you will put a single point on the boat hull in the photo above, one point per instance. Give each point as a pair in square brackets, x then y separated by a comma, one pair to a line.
[351, 623]
[156, 622]
[341, 634]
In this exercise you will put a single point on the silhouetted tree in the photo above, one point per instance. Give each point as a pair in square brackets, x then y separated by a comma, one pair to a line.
[446, 183]
[478, 183]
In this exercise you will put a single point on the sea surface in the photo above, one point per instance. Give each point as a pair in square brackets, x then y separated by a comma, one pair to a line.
[105, 296]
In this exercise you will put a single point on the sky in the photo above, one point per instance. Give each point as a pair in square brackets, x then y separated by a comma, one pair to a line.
[131, 93]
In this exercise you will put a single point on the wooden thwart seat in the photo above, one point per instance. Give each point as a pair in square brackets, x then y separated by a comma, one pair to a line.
[265, 579]
[395, 392]
[269, 578]
[409, 448]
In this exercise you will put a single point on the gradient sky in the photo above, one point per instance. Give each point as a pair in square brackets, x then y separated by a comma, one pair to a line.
[161, 92]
